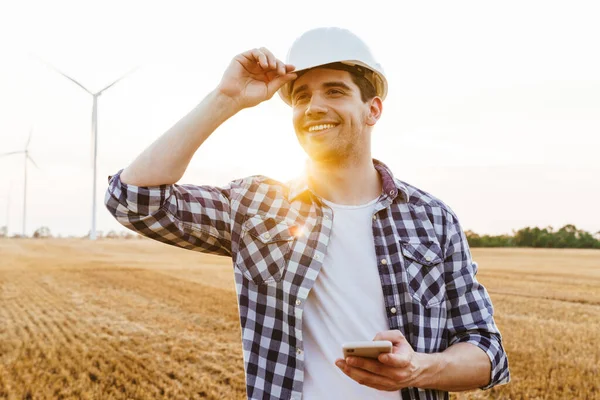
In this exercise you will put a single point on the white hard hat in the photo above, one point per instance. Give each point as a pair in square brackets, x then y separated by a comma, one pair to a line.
[323, 46]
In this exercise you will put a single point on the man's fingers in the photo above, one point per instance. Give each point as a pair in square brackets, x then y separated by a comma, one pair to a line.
[260, 58]
[257, 57]
[271, 59]
[393, 336]
[396, 360]
[365, 377]
[263, 58]
[280, 68]
[373, 366]
[401, 352]
[252, 58]
[278, 82]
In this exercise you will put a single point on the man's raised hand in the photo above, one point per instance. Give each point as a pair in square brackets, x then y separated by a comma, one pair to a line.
[254, 76]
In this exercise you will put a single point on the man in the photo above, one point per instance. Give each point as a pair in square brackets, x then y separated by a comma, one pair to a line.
[345, 253]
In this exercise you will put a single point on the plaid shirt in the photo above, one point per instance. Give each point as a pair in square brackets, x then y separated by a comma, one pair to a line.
[277, 236]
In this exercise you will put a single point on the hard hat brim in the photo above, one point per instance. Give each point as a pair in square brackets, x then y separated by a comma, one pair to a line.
[378, 80]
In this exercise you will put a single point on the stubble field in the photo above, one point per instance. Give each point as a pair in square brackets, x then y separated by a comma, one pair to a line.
[136, 319]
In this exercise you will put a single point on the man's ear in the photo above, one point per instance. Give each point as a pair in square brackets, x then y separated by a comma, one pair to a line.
[375, 110]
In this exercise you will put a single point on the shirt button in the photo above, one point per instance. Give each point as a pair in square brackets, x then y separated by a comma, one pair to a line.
[267, 236]
[384, 261]
[298, 302]
[317, 257]
[299, 351]
[392, 193]
[428, 258]
[393, 310]
[374, 217]
[326, 217]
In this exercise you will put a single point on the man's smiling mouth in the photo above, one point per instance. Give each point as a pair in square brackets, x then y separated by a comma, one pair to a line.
[320, 128]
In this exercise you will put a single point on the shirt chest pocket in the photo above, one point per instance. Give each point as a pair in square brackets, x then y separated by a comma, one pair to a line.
[425, 272]
[264, 248]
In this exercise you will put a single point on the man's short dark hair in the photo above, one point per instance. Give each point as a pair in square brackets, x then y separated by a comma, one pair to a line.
[367, 90]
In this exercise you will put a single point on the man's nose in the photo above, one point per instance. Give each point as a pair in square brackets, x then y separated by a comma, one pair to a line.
[315, 107]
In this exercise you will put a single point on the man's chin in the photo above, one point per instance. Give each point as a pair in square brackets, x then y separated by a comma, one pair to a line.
[323, 156]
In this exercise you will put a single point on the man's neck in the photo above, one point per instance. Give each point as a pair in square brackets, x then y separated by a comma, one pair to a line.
[354, 183]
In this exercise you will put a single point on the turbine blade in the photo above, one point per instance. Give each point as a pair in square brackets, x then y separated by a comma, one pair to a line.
[33, 162]
[65, 75]
[28, 139]
[121, 78]
[11, 152]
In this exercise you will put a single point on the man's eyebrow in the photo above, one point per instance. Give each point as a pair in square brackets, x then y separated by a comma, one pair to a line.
[336, 84]
[299, 89]
[325, 85]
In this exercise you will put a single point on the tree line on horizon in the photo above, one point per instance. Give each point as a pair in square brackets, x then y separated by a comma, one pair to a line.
[566, 237]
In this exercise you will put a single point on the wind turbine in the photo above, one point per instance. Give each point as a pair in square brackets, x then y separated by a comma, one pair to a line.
[94, 136]
[8, 209]
[27, 157]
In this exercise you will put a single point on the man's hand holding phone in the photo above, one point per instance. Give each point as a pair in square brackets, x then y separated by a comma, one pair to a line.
[400, 368]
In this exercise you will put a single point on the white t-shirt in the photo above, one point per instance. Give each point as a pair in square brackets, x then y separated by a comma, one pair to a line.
[345, 305]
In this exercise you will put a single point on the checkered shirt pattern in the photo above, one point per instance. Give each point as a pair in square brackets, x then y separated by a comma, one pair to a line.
[277, 236]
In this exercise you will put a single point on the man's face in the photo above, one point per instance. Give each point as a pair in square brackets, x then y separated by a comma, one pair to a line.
[329, 116]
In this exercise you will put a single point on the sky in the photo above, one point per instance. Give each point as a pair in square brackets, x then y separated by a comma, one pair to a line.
[493, 107]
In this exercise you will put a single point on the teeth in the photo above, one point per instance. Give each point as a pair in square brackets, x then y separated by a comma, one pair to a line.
[316, 128]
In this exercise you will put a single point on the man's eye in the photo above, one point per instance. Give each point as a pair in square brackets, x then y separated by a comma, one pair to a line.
[335, 91]
[300, 97]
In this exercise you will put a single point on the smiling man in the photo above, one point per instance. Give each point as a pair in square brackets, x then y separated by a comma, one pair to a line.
[346, 252]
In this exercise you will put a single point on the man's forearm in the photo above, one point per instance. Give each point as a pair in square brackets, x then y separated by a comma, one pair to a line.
[462, 366]
[165, 160]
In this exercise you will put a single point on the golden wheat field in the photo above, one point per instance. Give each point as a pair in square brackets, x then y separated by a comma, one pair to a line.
[136, 319]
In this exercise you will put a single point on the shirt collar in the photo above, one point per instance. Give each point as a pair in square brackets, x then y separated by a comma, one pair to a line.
[391, 187]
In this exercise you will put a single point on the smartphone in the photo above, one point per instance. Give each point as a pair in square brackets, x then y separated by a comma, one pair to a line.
[369, 349]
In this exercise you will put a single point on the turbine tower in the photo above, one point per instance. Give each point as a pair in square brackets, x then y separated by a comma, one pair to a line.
[27, 158]
[94, 137]
[8, 208]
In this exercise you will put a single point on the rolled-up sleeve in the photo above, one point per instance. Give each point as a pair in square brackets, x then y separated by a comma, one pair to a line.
[192, 217]
[470, 311]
